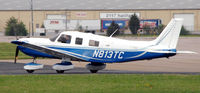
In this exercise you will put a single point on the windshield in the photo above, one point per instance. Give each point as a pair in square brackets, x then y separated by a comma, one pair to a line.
[54, 38]
[65, 39]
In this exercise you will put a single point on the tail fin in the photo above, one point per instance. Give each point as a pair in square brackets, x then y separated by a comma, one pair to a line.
[169, 36]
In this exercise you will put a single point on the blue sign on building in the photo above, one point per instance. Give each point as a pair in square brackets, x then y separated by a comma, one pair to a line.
[106, 23]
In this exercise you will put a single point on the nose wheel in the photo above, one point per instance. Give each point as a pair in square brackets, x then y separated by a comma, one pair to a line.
[32, 66]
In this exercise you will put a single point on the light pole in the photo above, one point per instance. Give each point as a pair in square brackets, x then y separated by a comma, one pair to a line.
[32, 30]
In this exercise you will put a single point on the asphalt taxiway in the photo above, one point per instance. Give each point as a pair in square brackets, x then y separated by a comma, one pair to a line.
[8, 68]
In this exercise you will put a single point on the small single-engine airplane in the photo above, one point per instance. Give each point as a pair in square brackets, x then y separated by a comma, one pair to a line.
[98, 50]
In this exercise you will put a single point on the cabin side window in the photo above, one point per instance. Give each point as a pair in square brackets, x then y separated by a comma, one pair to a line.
[93, 43]
[65, 39]
[79, 41]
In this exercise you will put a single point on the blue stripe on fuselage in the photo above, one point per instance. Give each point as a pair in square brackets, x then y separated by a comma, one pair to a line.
[100, 55]
[110, 56]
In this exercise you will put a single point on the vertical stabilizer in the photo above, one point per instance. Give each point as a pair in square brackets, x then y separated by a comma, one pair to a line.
[169, 36]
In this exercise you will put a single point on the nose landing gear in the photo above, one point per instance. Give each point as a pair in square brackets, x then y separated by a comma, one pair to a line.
[32, 66]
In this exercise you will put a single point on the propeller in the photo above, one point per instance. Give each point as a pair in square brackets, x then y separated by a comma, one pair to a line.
[16, 54]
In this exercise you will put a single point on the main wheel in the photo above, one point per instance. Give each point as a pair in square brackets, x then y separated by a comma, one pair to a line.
[60, 71]
[93, 71]
[30, 71]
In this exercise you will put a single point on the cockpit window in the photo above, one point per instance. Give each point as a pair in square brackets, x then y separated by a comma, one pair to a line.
[54, 38]
[65, 39]
[93, 43]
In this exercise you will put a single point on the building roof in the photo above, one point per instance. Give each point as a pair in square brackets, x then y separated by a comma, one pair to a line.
[99, 4]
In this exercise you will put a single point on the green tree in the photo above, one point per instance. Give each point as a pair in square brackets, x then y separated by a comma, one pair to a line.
[42, 26]
[113, 26]
[134, 24]
[21, 30]
[184, 31]
[13, 27]
[160, 28]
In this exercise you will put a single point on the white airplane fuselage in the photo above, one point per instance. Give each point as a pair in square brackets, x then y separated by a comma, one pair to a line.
[95, 48]
[109, 50]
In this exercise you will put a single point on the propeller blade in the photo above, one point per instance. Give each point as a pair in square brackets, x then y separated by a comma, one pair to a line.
[16, 54]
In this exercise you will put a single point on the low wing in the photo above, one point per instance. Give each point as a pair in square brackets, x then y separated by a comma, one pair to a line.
[43, 49]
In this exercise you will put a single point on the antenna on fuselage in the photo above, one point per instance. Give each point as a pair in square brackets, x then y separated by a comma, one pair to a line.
[113, 33]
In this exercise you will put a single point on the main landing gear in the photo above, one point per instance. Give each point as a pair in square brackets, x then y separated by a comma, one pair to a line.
[95, 67]
[63, 66]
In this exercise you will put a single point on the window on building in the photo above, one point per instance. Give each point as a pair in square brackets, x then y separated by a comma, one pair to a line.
[93, 43]
[37, 25]
[65, 39]
[79, 41]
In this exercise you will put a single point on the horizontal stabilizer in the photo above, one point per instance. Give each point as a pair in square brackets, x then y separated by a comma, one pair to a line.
[178, 52]
[186, 52]
[154, 51]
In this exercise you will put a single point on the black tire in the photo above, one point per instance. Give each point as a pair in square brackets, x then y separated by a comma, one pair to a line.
[30, 71]
[60, 71]
[93, 71]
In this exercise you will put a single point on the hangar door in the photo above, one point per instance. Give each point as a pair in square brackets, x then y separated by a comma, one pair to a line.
[188, 22]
